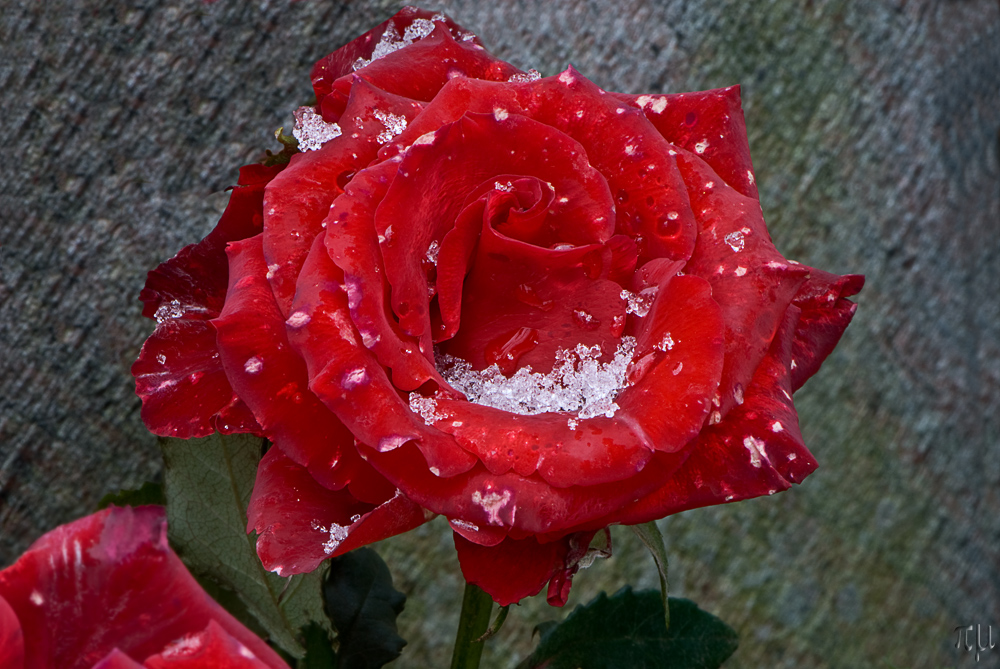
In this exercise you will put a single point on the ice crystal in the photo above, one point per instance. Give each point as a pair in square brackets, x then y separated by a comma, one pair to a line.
[311, 131]
[578, 382]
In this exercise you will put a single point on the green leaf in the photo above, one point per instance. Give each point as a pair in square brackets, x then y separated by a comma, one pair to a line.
[149, 493]
[626, 630]
[650, 535]
[289, 147]
[363, 606]
[319, 649]
[208, 484]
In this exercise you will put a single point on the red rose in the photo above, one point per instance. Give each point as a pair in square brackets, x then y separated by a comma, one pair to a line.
[527, 304]
[107, 592]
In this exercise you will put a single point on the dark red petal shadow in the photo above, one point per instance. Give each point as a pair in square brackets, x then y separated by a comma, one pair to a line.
[110, 581]
[300, 523]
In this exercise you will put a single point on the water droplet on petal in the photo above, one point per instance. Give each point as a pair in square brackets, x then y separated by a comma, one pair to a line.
[354, 377]
[298, 319]
[735, 241]
[585, 320]
[391, 442]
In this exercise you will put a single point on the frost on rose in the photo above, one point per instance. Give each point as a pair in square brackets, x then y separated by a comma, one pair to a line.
[529, 305]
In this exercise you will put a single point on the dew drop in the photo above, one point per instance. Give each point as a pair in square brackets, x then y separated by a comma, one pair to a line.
[298, 319]
[735, 241]
[354, 377]
[585, 320]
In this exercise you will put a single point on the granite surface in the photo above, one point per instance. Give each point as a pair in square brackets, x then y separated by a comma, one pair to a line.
[875, 131]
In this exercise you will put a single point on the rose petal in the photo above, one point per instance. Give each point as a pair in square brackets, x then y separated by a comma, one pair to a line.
[559, 295]
[271, 378]
[756, 450]
[512, 569]
[110, 581]
[650, 197]
[418, 70]
[597, 450]
[348, 379]
[212, 647]
[298, 200]
[751, 281]
[427, 194]
[300, 523]
[183, 387]
[117, 660]
[178, 375]
[707, 123]
[345, 60]
[526, 505]
[826, 313]
[11, 638]
[678, 361]
[192, 284]
[353, 246]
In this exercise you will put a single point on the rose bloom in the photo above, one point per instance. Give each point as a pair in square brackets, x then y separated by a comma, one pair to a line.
[529, 305]
[107, 592]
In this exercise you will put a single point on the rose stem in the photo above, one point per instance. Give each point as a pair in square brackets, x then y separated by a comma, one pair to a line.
[472, 624]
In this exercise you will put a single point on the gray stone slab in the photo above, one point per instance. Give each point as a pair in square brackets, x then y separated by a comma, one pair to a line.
[874, 131]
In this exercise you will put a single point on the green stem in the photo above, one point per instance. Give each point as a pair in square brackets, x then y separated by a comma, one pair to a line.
[475, 618]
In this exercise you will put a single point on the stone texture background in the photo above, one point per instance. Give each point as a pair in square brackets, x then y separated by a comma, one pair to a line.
[875, 130]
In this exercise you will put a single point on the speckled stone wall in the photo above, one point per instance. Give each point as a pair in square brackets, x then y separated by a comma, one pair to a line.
[874, 129]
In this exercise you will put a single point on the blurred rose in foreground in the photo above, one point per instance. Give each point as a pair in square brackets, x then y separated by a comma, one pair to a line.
[106, 591]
